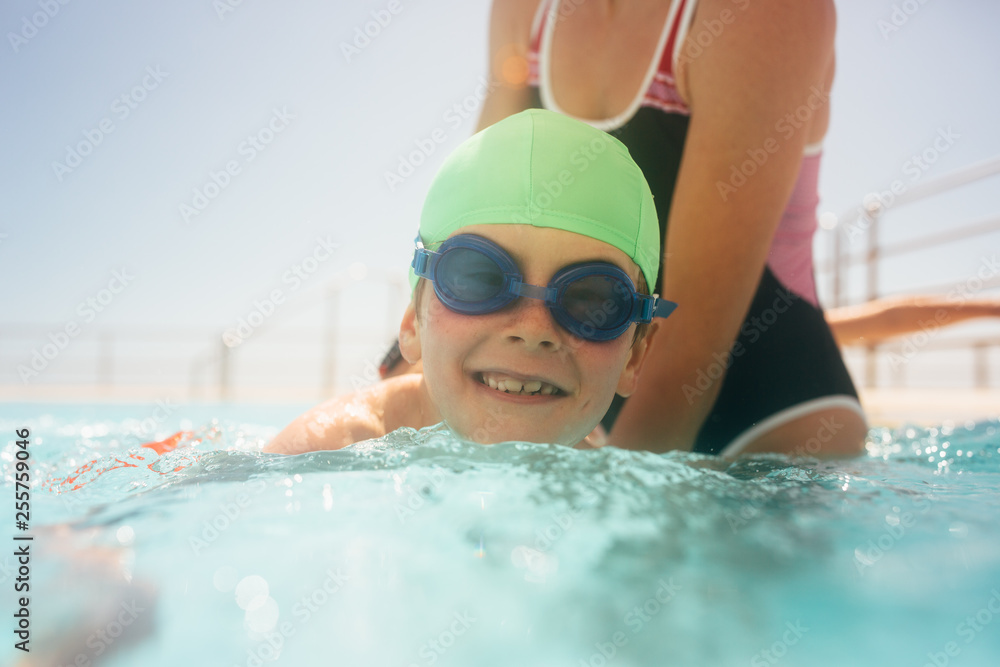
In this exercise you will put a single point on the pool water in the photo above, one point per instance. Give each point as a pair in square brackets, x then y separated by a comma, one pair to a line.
[420, 549]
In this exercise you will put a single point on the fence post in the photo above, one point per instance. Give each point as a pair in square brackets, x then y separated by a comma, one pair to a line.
[981, 364]
[330, 339]
[837, 279]
[193, 388]
[224, 352]
[105, 364]
[872, 211]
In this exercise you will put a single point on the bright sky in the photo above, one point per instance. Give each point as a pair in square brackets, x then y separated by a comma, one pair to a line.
[166, 97]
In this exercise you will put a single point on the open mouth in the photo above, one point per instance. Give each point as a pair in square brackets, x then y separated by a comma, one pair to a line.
[510, 385]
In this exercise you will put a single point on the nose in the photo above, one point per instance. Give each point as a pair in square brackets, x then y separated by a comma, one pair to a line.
[530, 322]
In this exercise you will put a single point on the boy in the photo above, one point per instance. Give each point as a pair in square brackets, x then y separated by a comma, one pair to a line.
[537, 199]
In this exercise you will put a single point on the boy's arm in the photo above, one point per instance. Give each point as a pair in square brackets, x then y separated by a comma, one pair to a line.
[351, 418]
[335, 424]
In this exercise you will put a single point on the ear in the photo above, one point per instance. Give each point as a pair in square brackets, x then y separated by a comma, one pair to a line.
[409, 334]
[629, 379]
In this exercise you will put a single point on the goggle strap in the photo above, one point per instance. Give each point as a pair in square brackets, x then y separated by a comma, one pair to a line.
[653, 306]
[546, 294]
[663, 308]
[421, 261]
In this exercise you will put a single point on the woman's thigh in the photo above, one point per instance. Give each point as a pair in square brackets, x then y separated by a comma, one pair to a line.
[784, 375]
[824, 432]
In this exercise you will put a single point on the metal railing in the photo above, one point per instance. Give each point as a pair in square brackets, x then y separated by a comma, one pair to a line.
[208, 368]
[304, 362]
[868, 217]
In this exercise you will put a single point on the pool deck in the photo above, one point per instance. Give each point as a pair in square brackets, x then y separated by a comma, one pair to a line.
[892, 407]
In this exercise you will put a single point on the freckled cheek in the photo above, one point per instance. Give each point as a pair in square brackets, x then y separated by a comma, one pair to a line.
[447, 340]
[439, 316]
[456, 326]
[604, 361]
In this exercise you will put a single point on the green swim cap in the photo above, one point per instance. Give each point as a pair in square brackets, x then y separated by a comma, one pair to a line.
[544, 169]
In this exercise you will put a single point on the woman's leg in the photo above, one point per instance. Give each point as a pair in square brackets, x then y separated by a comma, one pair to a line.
[834, 430]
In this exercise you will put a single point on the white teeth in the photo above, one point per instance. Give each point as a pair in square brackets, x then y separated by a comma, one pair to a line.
[512, 386]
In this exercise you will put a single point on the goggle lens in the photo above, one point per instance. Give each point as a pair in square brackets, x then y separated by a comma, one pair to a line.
[468, 276]
[600, 301]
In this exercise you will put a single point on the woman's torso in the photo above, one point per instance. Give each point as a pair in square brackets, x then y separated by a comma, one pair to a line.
[625, 70]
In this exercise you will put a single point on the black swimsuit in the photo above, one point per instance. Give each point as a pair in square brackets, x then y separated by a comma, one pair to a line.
[785, 362]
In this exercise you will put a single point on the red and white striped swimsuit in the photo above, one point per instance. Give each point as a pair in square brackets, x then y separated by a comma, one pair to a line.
[790, 256]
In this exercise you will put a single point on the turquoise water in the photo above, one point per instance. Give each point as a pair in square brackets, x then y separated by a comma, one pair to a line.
[418, 549]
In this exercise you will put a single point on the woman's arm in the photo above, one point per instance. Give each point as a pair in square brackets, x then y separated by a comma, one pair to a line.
[878, 320]
[510, 35]
[754, 92]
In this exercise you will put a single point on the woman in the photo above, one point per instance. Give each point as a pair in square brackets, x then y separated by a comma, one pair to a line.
[724, 105]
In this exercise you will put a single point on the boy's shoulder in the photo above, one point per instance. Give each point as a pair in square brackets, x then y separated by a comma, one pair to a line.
[343, 420]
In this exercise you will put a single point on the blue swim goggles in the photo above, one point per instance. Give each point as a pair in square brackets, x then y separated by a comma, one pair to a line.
[595, 301]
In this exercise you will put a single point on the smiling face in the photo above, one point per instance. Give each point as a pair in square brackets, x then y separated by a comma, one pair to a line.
[516, 374]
